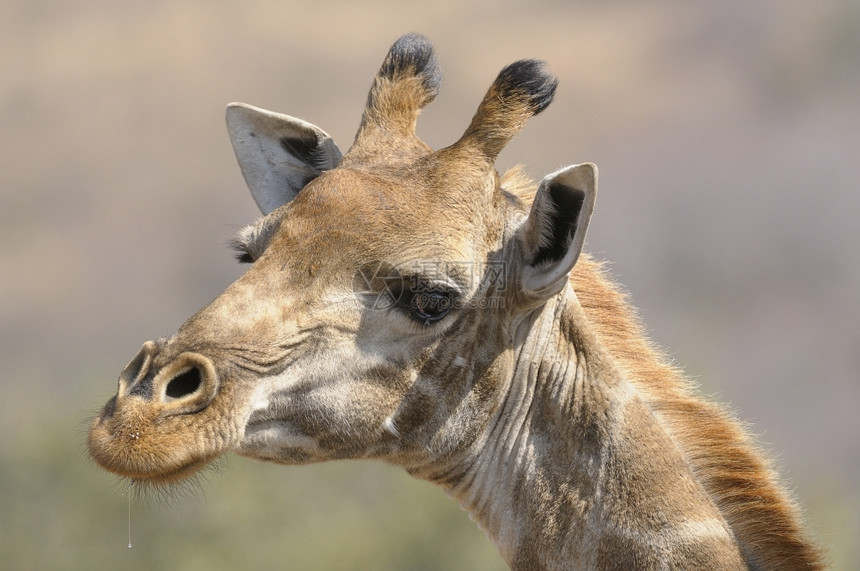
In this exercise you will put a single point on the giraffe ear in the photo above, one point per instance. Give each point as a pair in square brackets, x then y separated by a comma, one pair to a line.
[554, 232]
[278, 154]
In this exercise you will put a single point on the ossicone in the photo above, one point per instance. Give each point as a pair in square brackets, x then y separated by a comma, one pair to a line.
[408, 79]
[521, 90]
[412, 55]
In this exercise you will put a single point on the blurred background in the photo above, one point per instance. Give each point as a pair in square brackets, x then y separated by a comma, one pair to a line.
[728, 140]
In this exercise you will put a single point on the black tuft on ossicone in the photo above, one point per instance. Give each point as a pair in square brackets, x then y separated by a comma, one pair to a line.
[531, 78]
[413, 54]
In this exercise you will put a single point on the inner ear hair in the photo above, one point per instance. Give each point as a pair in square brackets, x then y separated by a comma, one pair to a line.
[554, 232]
[561, 207]
[309, 151]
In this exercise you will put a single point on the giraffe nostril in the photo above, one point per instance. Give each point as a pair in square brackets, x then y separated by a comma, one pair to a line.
[184, 384]
[136, 377]
[137, 367]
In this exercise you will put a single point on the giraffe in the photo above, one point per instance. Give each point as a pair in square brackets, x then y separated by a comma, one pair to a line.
[413, 306]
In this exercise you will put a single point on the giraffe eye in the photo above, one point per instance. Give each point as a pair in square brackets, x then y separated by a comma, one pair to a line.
[427, 307]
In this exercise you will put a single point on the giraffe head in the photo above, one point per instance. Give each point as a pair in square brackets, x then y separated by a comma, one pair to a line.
[384, 290]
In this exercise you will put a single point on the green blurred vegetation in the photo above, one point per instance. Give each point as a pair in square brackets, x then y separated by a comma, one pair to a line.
[59, 511]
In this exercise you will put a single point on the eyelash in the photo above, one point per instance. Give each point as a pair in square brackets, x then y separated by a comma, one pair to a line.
[241, 251]
[424, 306]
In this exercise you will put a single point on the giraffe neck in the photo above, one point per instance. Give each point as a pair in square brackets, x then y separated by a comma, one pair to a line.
[576, 472]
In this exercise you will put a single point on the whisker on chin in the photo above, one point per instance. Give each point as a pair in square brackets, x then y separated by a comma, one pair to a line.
[153, 494]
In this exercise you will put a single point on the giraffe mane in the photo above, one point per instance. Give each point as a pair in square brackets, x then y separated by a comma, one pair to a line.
[723, 456]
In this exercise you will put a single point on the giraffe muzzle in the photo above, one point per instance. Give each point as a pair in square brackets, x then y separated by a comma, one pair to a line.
[154, 428]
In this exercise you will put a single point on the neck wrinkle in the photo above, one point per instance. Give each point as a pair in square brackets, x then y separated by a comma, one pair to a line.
[544, 401]
[575, 462]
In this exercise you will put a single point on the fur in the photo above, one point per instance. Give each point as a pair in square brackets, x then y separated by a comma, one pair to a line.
[733, 470]
[566, 433]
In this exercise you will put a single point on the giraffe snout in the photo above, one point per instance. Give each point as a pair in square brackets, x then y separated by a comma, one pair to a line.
[154, 428]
